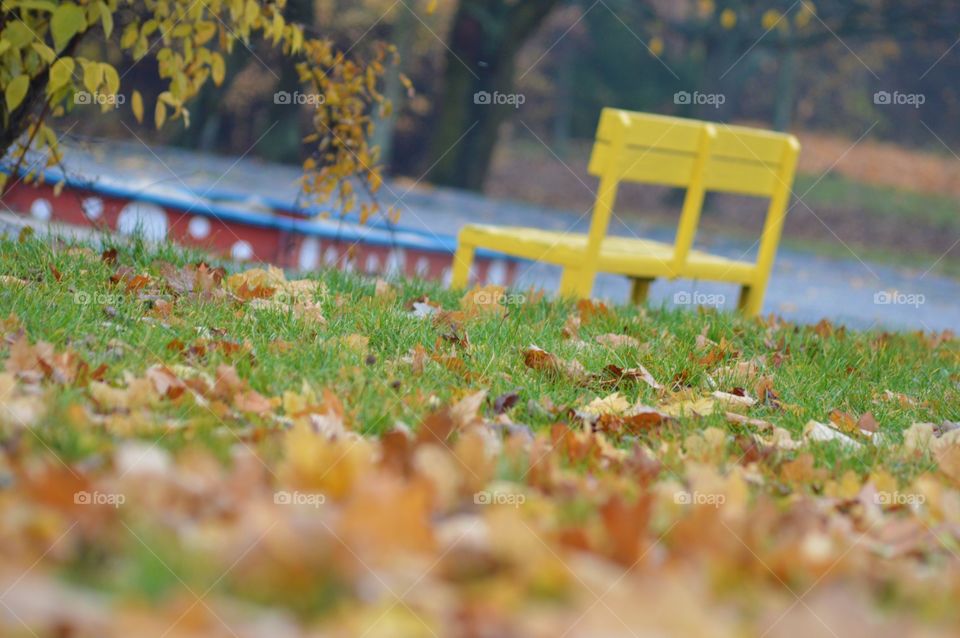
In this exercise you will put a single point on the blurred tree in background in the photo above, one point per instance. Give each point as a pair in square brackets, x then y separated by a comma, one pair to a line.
[60, 58]
[798, 65]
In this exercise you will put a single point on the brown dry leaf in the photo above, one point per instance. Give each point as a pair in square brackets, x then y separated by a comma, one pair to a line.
[740, 419]
[485, 300]
[539, 359]
[165, 382]
[505, 401]
[571, 327]
[588, 309]
[137, 283]
[254, 402]
[868, 423]
[639, 373]
[799, 471]
[417, 358]
[948, 459]
[227, 383]
[17, 409]
[844, 421]
[465, 412]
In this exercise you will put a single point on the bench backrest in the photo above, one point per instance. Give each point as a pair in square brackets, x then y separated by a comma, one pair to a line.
[698, 156]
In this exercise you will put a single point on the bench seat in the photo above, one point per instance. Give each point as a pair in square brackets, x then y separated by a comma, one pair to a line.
[630, 256]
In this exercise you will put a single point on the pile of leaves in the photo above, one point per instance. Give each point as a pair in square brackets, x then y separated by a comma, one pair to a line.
[190, 452]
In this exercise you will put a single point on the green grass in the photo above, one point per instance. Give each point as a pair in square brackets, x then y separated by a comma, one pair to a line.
[845, 371]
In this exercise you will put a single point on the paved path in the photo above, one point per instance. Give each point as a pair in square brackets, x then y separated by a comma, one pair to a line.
[805, 287]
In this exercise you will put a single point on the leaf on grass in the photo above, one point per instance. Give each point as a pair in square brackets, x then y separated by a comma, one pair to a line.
[739, 419]
[571, 327]
[734, 400]
[505, 401]
[539, 359]
[948, 459]
[821, 433]
[485, 300]
[690, 407]
[588, 309]
[618, 374]
[252, 401]
[868, 423]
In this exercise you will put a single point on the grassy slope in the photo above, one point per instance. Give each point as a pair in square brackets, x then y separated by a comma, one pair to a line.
[70, 302]
[819, 373]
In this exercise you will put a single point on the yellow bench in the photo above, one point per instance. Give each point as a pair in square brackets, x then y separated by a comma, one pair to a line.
[640, 147]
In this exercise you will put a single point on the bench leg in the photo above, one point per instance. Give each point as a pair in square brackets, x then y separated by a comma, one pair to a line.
[462, 263]
[569, 282]
[576, 283]
[751, 301]
[640, 289]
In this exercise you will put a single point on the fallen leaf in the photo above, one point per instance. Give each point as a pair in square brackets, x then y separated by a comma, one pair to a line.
[505, 401]
[632, 374]
[820, 433]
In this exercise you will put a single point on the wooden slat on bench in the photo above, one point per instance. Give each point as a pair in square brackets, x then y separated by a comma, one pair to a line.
[736, 142]
[742, 178]
[646, 165]
[669, 133]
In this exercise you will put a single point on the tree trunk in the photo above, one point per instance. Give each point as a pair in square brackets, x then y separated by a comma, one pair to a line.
[786, 89]
[486, 36]
[403, 37]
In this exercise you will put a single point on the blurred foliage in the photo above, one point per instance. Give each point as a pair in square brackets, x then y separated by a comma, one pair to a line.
[799, 65]
[56, 58]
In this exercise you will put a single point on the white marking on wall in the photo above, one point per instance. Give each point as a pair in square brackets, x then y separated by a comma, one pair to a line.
[92, 208]
[199, 227]
[148, 220]
[423, 267]
[241, 251]
[396, 261]
[373, 263]
[331, 257]
[309, 257]
[41, 209]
